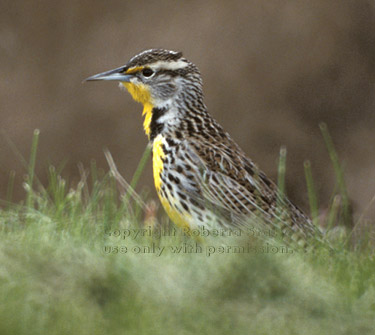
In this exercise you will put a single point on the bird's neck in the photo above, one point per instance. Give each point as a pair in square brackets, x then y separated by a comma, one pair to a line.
[159, 119]
[168, 116]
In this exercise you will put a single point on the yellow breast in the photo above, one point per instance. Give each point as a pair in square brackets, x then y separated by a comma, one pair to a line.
[157, 161]
[179, 219]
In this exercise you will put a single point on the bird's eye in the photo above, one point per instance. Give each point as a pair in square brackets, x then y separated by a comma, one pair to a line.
[147, 72]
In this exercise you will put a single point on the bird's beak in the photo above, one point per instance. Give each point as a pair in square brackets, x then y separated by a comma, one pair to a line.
[116, 75]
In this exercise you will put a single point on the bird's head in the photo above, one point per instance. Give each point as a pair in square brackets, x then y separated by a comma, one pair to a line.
[156, 78]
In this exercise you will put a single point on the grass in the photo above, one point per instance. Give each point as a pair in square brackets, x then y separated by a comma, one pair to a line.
[64, 269]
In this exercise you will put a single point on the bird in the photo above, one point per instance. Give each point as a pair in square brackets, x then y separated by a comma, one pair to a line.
[201, 175]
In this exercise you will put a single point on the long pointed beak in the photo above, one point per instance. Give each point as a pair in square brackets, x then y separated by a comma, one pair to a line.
[116, 75]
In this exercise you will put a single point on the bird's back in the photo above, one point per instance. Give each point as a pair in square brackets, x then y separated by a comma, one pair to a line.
[207, 180]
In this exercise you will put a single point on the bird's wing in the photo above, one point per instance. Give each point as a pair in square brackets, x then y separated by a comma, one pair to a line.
[234, 186]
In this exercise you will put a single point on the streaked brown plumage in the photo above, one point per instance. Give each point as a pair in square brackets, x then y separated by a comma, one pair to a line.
[201, 175]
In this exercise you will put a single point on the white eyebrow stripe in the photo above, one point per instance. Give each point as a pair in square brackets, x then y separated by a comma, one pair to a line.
[173, 65]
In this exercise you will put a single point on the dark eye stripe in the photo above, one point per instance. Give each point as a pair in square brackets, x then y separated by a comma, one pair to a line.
[174, 73]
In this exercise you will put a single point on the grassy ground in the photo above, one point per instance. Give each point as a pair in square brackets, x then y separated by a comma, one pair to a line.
[70, 263]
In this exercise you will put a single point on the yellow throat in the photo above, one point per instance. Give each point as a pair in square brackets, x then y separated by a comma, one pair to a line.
[142, 94]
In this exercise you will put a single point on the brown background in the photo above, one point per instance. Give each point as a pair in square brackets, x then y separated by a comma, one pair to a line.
[272, 71]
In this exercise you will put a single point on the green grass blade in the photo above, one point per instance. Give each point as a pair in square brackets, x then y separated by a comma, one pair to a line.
[31, 168]
[333, 212]
[141, 166]
[281, 172]
[138, 172]
[347, 220]
[128, 190]
[313, 199]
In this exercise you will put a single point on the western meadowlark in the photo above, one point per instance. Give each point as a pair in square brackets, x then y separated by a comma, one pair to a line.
[201, 175]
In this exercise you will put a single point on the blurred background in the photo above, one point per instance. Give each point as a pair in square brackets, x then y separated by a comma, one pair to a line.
[272, 70]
